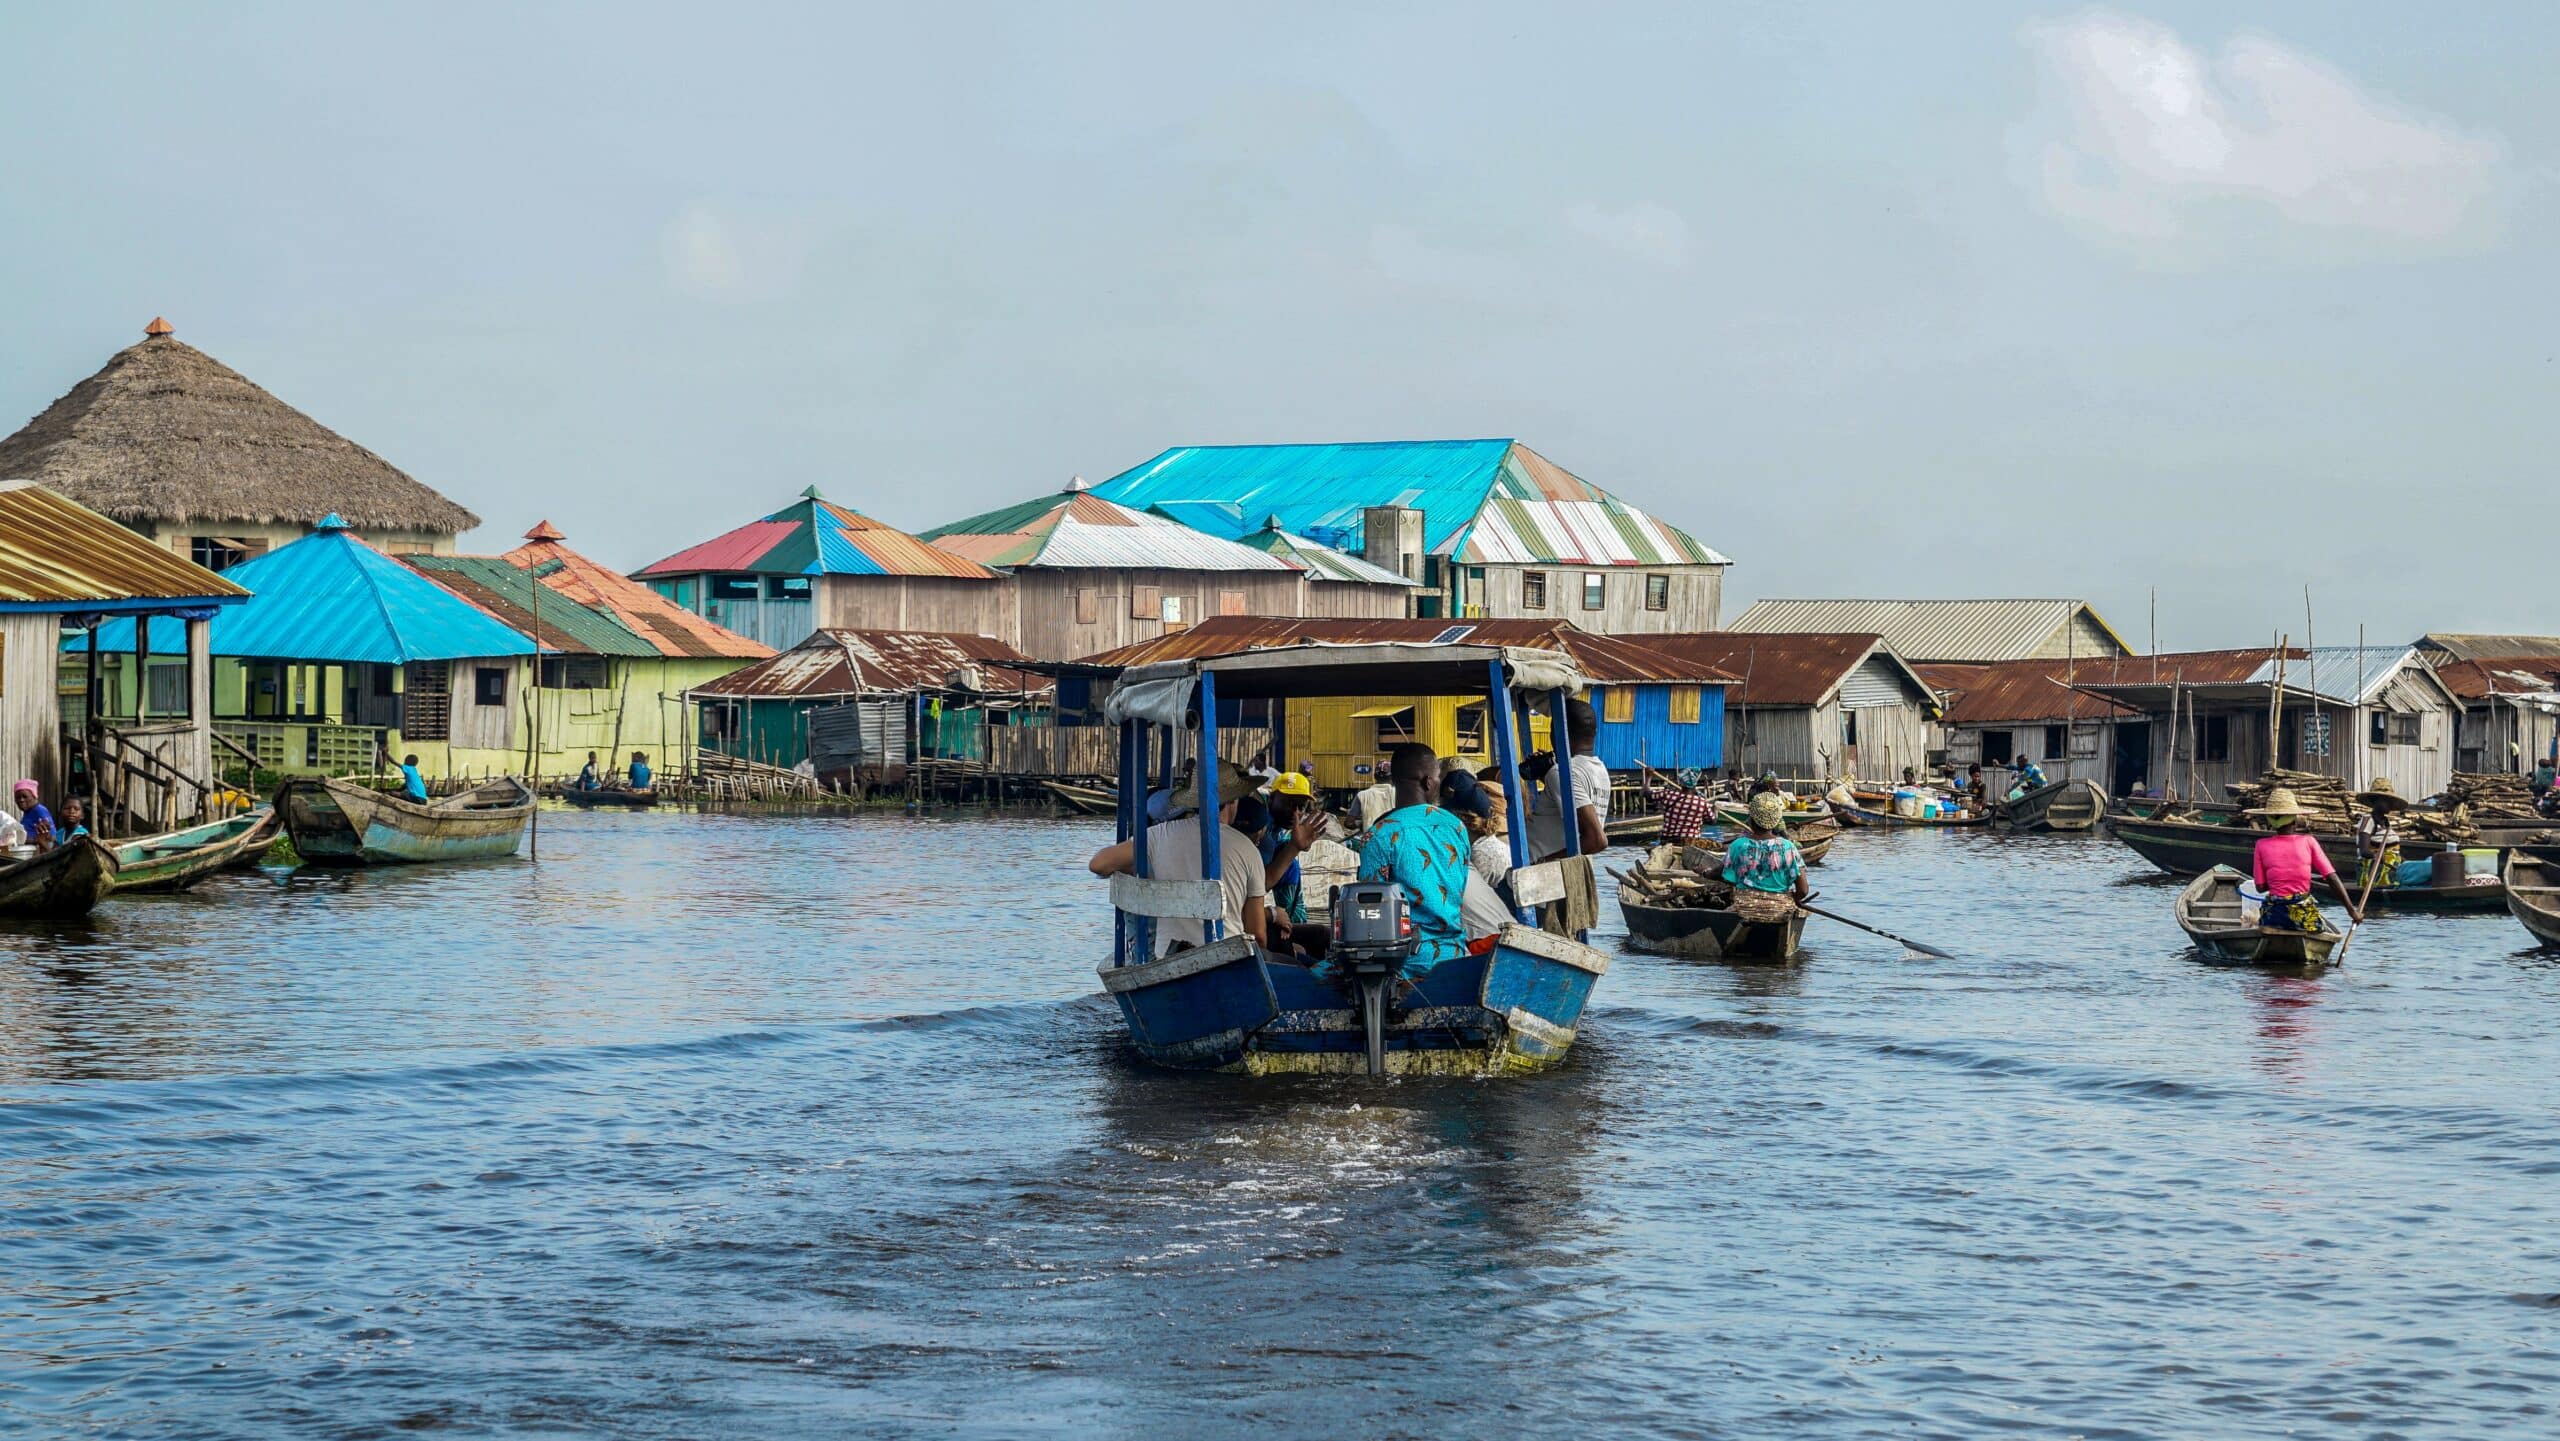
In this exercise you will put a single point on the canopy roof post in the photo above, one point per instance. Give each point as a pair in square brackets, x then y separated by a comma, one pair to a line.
[1560, 745]
[1506, 754]
[1205, 784]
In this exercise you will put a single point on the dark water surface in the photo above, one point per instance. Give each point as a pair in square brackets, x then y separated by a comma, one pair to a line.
[715, 1126]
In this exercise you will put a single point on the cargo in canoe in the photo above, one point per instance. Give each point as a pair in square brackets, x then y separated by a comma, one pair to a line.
[1707, 933]
[336, 823]
[2209, 911]
[175, 860]
[64, 883]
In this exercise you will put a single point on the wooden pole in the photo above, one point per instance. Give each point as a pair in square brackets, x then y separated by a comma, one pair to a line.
[2311, 663]
[90, 732]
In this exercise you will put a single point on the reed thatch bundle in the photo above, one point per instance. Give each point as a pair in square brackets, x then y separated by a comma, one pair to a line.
[166, 433]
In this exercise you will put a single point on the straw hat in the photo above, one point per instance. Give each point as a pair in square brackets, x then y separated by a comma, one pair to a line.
[2383, 797]
[2280, 802]
[1233, 785]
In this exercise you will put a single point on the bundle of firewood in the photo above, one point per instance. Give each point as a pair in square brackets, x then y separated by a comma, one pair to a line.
[2325, 802]
[1666, 879]
[2487, 793]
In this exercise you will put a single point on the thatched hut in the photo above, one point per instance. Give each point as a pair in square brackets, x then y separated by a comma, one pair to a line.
[184, 449]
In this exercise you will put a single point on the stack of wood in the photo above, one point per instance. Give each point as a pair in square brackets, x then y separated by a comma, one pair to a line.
[2324, 798]
[1673, 876]
[2490, 794]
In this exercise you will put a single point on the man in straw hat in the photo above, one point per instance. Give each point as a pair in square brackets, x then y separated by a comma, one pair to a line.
[1173, 854]
[2285, 863]
[2377, 840]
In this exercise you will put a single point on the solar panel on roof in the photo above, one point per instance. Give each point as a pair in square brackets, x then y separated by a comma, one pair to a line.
[1453, 635]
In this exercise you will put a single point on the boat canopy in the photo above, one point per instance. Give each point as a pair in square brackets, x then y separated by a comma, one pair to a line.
[1167, 692]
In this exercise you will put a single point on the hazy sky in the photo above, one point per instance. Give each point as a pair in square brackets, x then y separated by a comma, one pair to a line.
[1901, 300]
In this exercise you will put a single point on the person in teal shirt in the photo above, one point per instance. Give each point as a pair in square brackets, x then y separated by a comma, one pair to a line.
[413, 786]
[640, 773]
[1423, 850]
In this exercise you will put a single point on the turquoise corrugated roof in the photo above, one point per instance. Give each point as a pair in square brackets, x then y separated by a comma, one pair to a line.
[1316, 490]
[331, 597]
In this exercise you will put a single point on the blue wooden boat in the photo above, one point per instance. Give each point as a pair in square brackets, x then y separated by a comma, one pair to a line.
[1228, 1004]
[338, 823]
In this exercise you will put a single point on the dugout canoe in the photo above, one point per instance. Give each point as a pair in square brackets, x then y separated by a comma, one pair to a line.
[2061, 806]
[175, 860]
[336, 823]
[2533, 895]
[1707, 934]
[2183, 848]
[2209, 912]
[610, 798]
[64, 883]
[1083, 800]
[1871, 816]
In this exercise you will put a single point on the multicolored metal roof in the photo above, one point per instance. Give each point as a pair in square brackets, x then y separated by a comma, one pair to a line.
[834, 663]
[506, 592]
[56, 554]
[1482, 501]
[672, 629]
[1604, 659]
[815, 536]
[331, 597]
[1077, 528]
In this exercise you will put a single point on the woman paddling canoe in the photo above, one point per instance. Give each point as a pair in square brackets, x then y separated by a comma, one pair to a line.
[2285, 862]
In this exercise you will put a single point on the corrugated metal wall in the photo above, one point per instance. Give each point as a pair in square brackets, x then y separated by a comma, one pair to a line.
[1876, 682]
[1652, 739]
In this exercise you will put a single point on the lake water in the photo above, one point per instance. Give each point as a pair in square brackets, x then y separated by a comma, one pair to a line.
[774, 1126]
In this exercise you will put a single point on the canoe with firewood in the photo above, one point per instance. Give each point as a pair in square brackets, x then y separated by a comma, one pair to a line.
[1678, 907]
[338, 823]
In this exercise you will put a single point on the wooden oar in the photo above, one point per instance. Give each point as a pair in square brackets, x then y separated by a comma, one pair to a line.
[2372, 873]
[1907, 943]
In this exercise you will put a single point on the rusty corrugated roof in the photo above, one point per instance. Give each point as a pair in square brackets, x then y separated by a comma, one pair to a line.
[1606, 659]
[56, 551]
[2508, 675]
[1783, 668]
[2026, 690]
[864, 662]
[2192, 668]
[665, 625]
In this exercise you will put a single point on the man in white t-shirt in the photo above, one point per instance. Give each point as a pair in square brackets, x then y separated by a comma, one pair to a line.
[1590, 789]
[1173, 854]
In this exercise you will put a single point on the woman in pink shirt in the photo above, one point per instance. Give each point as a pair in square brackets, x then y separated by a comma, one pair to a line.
[2284, 865]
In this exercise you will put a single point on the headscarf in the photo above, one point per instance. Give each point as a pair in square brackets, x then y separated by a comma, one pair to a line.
[24, 788]
[1768, 813]
[1688, 778]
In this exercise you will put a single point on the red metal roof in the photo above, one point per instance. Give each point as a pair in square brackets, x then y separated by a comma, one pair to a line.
[1606, 659]
[1794, 668]
[2025, 690]
[2479, 679]
[661, 622]
[860, 662]
[737, 550]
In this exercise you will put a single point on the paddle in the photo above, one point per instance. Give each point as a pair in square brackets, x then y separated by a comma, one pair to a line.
[1907, 943]
[2372, 873]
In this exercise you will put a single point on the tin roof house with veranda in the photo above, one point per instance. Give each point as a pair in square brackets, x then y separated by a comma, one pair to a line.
[1488, 528]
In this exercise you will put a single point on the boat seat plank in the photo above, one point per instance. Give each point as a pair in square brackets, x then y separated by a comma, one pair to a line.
[1168, 900]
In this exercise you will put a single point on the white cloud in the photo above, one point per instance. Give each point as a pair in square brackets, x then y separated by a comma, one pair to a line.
[2145, 143]
[1645, 230]
[708, 252]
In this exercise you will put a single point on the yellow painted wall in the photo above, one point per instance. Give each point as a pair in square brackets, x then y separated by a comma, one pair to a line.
[1346, 748]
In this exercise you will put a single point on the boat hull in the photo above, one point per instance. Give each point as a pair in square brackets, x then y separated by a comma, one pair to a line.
[64, 883]
[1083, 800]
[2532, 898]
[1698, 933]
[1870, 816]
[2061, 806]
[2184, 848]
[336, 824]
[158, 865]
[610, 799]
[2208, 911]
[1224, 1007]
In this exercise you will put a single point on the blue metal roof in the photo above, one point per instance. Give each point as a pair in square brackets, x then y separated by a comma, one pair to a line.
[1317, 491]
[331, 597]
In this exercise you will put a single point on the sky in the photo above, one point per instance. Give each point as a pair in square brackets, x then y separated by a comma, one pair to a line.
[2212, 302]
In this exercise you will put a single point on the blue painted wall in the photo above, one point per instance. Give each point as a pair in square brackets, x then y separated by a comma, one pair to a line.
[1651, 739]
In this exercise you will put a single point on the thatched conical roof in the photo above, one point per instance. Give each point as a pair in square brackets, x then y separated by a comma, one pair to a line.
[166, 433]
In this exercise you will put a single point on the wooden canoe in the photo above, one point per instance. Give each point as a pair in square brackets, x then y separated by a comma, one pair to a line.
[2061, 806]
[1083, 800]
[2209, 912]
[336, 823]
[1869, 816]
[1629, 830]
[610, 796]
[2533, 895]
[64, 883]
[176, 860]
[1706, 934]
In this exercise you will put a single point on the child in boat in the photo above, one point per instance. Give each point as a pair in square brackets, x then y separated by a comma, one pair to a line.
[641, 775]
[413, 784]
[75, 818]
[588, 779]
[2285, 862]
[32, 815]
[1765, 869]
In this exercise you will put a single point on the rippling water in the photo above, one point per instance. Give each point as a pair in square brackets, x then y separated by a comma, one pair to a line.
[813, 1126]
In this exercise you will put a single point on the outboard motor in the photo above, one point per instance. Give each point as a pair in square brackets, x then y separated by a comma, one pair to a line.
[1373, 937]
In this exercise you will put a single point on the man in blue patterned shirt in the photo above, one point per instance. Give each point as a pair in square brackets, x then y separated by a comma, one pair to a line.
[1423, 850]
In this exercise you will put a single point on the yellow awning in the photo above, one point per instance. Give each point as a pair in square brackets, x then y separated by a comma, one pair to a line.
[1371, 712]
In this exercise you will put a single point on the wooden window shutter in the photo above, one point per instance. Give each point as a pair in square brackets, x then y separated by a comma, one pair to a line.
[1087, 612]
[1231, 602]
[1146, 602]
[1684, 705]
[1618, 704]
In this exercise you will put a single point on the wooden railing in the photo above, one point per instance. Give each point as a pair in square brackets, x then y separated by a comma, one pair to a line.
[138, 789]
